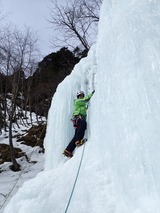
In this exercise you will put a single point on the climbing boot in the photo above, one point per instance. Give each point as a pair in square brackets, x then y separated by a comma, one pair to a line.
[67, 154]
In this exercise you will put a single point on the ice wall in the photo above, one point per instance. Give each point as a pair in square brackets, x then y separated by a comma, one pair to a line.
[127, 130]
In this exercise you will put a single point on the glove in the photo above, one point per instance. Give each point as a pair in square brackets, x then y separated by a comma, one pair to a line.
[93, 91]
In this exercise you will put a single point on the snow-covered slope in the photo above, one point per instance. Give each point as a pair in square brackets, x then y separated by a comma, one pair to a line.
[120, 170]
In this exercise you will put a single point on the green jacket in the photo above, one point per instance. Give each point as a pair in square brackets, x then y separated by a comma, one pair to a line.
[80, 105]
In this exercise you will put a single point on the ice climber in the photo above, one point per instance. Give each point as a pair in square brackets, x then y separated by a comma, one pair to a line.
[79, 122]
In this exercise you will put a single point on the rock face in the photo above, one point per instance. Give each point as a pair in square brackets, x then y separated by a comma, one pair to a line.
[50, 72]
[5, 153]
[35, 136]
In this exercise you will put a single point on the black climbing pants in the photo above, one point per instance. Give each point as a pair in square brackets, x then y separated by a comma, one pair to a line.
[79, 134]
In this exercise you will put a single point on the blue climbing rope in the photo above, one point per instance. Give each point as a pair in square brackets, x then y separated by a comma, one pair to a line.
[69, 201]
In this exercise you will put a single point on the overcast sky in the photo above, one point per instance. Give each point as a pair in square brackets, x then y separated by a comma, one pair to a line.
[32, 13]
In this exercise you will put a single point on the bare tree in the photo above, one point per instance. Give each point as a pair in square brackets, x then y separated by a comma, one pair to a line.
[18, 50]
[28, 91]
[75, 23]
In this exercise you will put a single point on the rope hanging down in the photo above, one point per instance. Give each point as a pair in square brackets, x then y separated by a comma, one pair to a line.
[69, 201]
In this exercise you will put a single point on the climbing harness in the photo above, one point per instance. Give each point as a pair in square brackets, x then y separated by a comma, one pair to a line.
[73, 188]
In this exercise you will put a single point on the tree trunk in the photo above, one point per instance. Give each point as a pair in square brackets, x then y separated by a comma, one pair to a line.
[1, 120]
[15, 167]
